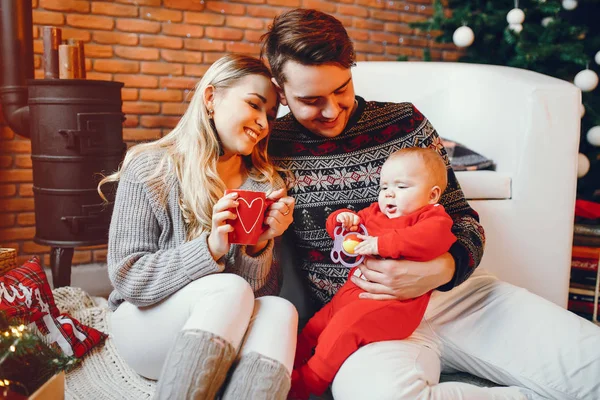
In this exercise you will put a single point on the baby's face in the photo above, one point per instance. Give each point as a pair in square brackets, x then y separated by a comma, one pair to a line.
[405, 186]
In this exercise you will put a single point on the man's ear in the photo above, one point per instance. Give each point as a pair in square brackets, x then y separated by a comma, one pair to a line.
[280, 92]
[209, 97]
[435, 194]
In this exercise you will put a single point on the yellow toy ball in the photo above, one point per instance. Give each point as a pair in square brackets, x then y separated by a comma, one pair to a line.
[349, 243]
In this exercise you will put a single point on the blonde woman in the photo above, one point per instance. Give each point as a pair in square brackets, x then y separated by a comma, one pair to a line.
[188, 305]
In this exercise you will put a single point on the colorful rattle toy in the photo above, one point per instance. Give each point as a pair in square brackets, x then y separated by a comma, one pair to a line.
[344, 243]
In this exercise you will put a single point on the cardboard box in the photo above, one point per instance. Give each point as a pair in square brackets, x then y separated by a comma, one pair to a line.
[53, 389]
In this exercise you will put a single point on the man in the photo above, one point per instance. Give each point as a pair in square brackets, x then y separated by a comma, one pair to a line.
[334, 143]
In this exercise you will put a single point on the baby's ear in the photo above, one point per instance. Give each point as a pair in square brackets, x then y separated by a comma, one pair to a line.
[435, 194]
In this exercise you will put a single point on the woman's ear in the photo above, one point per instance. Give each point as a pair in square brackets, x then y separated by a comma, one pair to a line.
[435, 194]
[280, 92]
[209, 97]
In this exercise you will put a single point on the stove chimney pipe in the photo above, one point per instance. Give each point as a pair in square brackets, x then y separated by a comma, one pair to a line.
[16, 62]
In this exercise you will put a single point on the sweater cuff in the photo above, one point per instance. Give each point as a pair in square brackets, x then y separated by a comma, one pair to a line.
[461, 267]
[196, 259]
[256, 267]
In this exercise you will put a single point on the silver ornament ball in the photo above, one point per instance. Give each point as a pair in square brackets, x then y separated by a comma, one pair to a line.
[463, 36]
[586, 80]
[593, 136]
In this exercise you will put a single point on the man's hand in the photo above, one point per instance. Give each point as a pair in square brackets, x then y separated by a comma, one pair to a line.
[403, 279]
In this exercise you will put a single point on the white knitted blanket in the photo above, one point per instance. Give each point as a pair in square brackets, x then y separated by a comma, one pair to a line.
[102, 375]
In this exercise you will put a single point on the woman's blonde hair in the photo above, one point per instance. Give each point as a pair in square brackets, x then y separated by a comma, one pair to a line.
[192, 147]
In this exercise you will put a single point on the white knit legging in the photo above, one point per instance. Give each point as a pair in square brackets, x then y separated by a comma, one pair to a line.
[223, 304]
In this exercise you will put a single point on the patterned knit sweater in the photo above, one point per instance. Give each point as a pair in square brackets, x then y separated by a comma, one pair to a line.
[148, 255]
[343, 172]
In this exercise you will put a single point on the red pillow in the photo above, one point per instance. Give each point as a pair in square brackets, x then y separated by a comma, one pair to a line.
[25, 294]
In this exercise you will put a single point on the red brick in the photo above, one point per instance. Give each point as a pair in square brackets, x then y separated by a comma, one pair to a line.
[358, 35]
[244, 48]
[195, 70]
[95, 247]
[6, 161]
[26, 219]
[225, 8]
[285, 3]
[224, 33]
[160, 14]
[116, 66]
[141, 2]
[16, 175]
[371, 3]
[203, 19]
[26, 190]
[372, 57]
[71, 33]
[141, 134]
[184, 30]
[98, 51]
[91, 22]
[264, 12]
[119, 10]
[161, 68]
[34, 248]
[158, 121]
[6, 133]
[381, 37]
[38, 46]
[253, 36]
[397, 28]
[364, 47]
[203, 45]
[178, 83]
[100, 76]
[251, 1]
[12, 245]
[66, 5]
[35, 32]
[99, 256]
[161, 95]
[8, 190]
[181, 56]
[47, 18]
[137, 25]
[16, 204]
[451, 56]
[186, 5]
[5, 221]
[38, 74]
[174, 108]
[137, 107]
[137, 81]
[15, 146]
[129, 94]
[18, 233]
[22, 161]
[129, 39]
[131, 121]
[319, 5]
[210, 58]
[82, 257]
[244, 23]
[37, 61]
[386, 15]
[354, 11]
[161, 41]
[137, 53]
[400, 6]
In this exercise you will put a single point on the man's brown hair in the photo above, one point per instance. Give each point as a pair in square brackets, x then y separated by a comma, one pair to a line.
[309, 37]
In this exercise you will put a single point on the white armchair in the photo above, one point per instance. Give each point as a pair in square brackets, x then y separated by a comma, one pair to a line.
[528, 124]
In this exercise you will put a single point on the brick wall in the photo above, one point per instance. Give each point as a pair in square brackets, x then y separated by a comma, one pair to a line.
[159, 49]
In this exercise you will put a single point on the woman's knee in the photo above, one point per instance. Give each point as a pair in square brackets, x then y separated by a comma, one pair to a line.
[230, 287]
[278, 309]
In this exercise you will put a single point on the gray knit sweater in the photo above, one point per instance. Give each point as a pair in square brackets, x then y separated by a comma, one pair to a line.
[148, 255]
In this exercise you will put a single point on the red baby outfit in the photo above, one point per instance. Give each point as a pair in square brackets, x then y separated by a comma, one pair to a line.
[347, 322]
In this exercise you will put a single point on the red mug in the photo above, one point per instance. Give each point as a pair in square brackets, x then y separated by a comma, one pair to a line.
[251, 209]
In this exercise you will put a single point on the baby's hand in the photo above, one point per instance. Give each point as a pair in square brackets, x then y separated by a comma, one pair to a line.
[349, 220]
[368, 246]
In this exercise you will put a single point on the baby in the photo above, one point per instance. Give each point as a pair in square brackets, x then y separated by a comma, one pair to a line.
[406, 223]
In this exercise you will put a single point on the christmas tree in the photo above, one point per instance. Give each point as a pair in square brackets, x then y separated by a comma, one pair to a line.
[556, 38]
